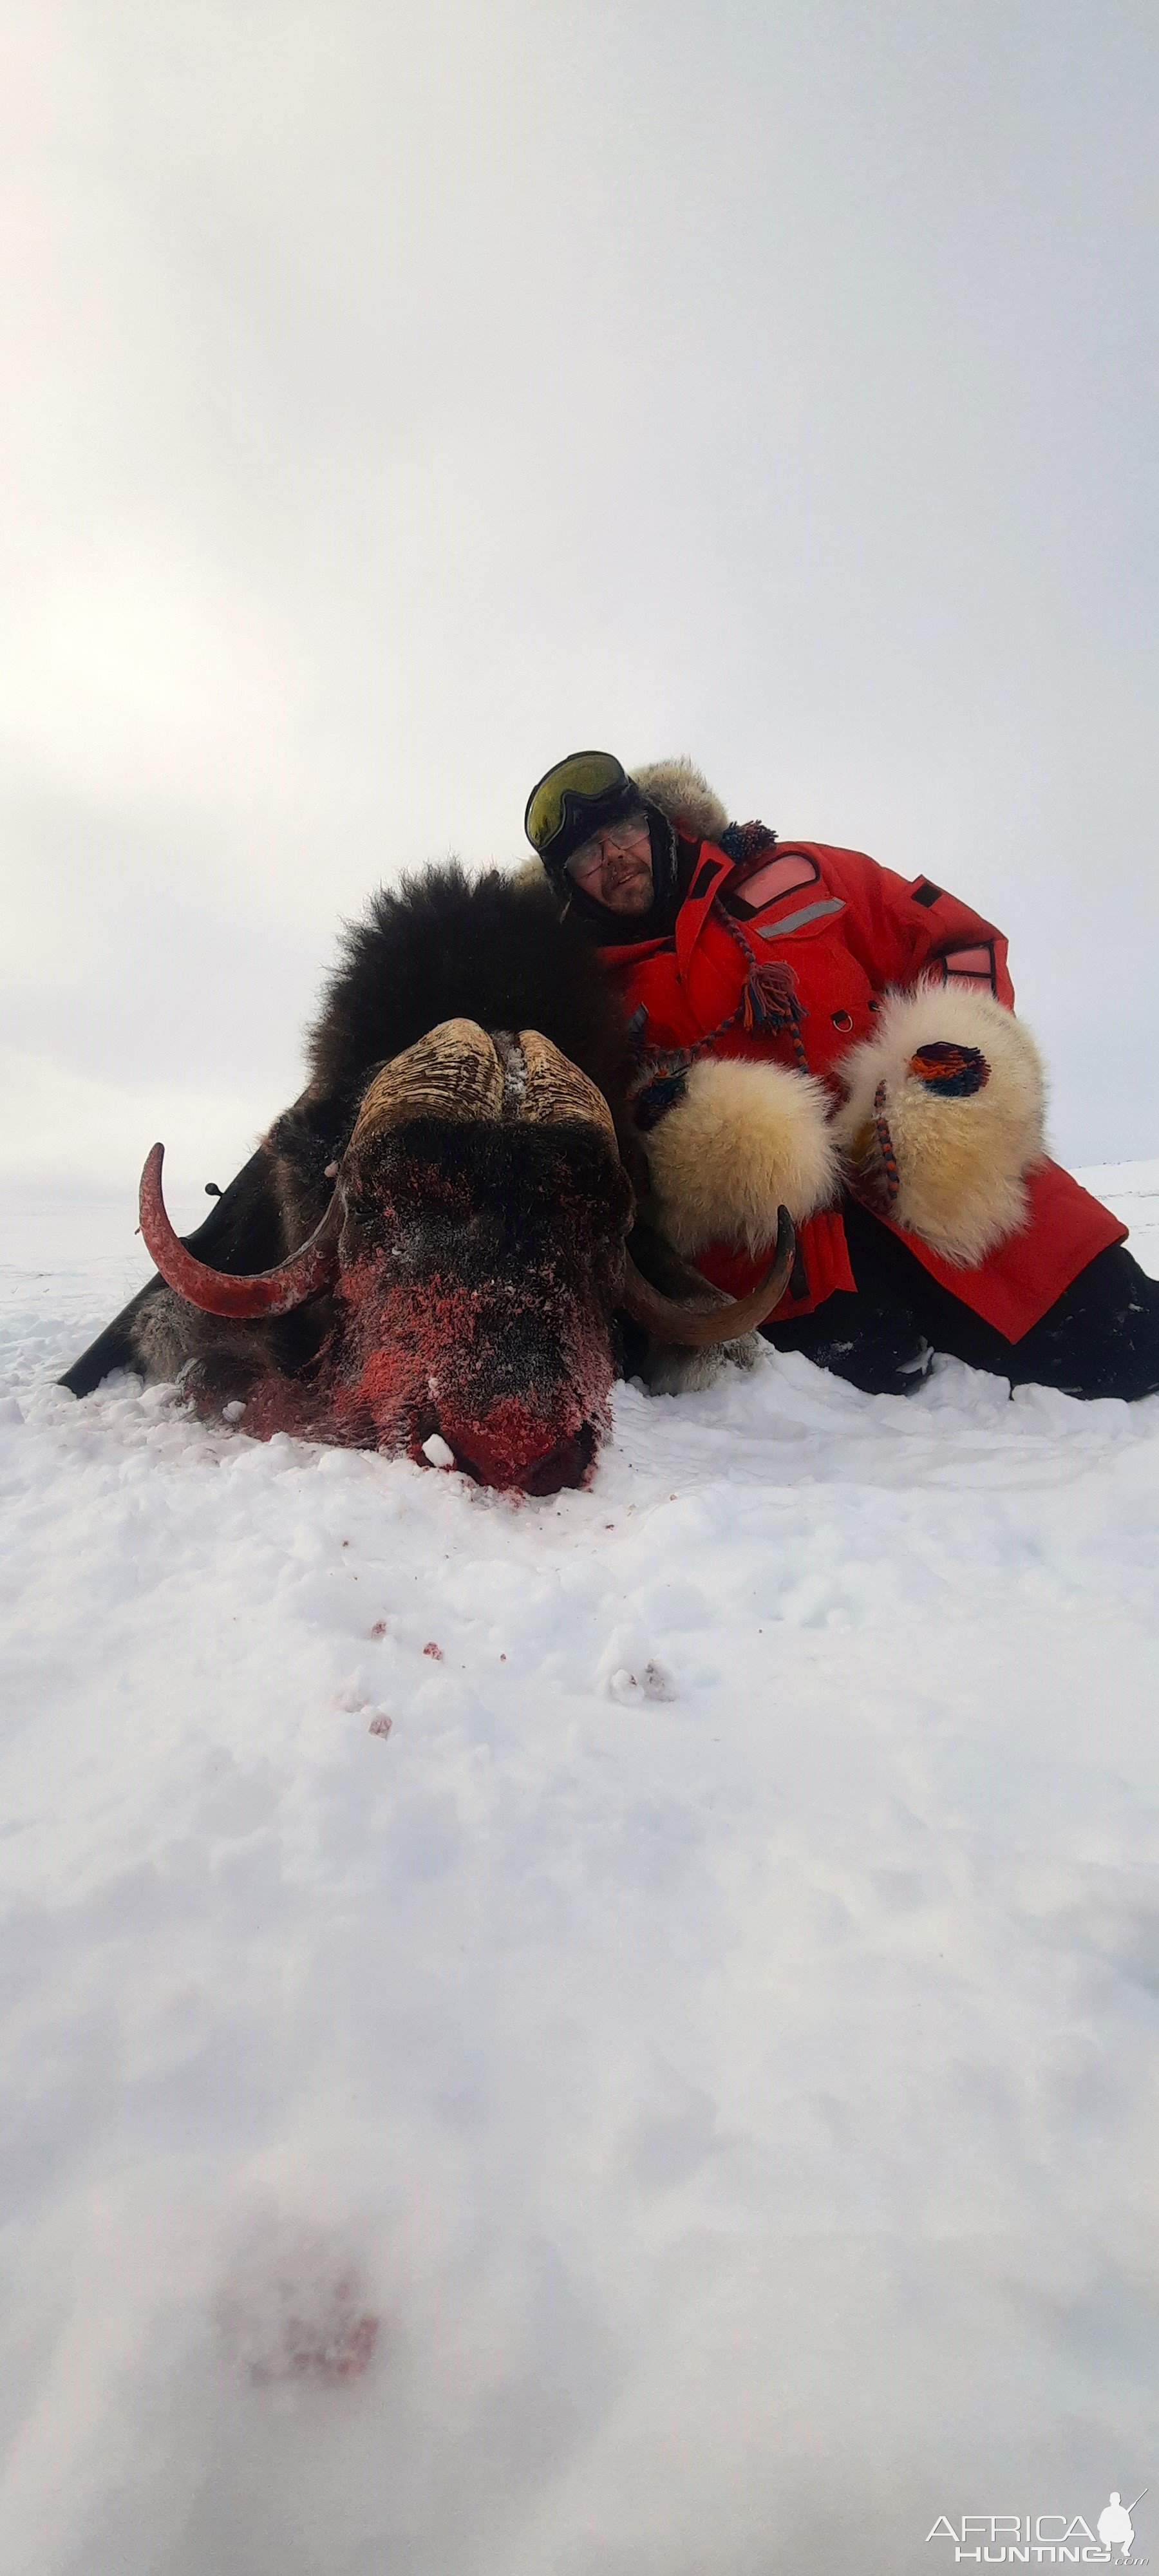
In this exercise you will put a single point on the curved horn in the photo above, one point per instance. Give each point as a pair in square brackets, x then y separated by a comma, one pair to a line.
[555, 1089]
[452, 1072]
[699, 1327]
[220, 1292]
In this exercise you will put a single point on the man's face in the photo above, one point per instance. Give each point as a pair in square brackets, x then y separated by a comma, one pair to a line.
[615, 866]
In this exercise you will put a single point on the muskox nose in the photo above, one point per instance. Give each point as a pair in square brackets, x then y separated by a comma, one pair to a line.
[569, 1463]
[490, 1457]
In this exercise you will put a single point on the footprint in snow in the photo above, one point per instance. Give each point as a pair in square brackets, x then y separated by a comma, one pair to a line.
[651, 1682]
[293, 2308]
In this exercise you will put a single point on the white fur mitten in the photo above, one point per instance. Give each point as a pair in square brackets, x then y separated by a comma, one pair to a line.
[944, 1119]
[740, 1141]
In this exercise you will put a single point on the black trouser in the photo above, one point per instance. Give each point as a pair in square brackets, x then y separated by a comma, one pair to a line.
[1101, 1337]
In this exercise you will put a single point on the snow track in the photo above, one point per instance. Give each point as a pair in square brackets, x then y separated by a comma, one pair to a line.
[682, 2097]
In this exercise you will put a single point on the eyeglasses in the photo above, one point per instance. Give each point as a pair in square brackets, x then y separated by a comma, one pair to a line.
[583, 777]
[606, 843]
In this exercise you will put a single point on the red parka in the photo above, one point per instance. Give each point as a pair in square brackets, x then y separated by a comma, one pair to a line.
[849, 930]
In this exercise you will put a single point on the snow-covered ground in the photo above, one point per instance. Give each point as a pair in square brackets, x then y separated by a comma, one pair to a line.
[679, 2097]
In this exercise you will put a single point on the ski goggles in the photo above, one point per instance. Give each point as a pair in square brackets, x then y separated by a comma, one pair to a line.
[557, 807]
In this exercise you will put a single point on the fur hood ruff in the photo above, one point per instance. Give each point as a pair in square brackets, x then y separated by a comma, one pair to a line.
[683, 794]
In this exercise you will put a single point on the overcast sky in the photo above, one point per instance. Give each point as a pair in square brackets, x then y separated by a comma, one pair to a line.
[393, 398]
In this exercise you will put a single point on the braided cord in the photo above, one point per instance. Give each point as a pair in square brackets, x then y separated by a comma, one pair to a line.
[768, 1005]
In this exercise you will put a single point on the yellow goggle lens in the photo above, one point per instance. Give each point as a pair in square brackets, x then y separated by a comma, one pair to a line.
[583, 774]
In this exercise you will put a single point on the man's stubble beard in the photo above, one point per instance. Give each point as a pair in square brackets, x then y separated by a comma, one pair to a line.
[632, 893]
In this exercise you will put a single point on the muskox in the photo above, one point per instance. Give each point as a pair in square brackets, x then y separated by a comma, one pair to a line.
[428, 1254]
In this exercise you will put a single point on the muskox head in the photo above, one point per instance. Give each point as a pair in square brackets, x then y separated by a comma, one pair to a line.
[471, 1260]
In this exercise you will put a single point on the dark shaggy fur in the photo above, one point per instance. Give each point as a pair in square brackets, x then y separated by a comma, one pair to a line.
[448, 946]
[444, 946]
